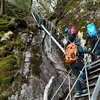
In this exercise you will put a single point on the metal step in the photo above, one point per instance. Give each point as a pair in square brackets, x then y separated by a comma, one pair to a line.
[94, 65]
[90, 86]
[93, 78]
[94, 71]
[83, 95]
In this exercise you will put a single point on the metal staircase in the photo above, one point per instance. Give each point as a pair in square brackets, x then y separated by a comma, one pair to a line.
[92, 79]
[94, 82]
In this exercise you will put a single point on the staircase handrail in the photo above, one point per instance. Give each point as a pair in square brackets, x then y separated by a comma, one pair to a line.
[87, 83]
[78, 78]
[53, 26]
[61, 85]
[53, 39]
[75, 83]
[96, 90]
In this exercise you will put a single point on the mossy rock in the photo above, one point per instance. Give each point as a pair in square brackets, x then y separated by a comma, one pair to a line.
[35, 71]
[3, 27]
[1, 33]
[8, 73]
[7, 67]
[16, 11]
[9, 93]
[5, 47]
[7, 80]
[14, 44]
[5, 16]
[7, 60]
[3, 22]
[21, 23]
[70, 6]
[4, 53]
[19, 57]
[2, 97]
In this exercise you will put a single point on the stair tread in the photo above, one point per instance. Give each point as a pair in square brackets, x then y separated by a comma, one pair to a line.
[94, 65]
[92, 78]
[83, 95]
[91, 85]
[94, 71]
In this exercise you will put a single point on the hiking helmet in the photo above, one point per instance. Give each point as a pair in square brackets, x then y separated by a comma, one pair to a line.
[76, 43]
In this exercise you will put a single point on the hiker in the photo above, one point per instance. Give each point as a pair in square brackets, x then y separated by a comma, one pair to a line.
[78, 65]
[98, 47]
[72, 32]
[92, 35]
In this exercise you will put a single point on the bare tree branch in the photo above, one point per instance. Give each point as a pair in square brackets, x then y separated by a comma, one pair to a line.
[2, 7]
[47, 88]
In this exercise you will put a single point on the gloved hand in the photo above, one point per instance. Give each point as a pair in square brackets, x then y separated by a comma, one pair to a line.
[65, 31]
[92, 54]
[85, 44]
[98, 36]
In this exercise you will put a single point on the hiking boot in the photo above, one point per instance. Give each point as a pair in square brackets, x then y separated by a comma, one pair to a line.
[80, 93]
[82, 81]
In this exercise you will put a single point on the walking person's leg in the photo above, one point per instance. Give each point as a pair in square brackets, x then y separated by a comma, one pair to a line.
[76, 72]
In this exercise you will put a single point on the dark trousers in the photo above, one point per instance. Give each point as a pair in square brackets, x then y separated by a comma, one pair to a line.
[93, 42]
[76, 68]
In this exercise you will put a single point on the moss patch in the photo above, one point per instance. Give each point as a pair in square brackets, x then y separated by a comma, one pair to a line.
[36, 61]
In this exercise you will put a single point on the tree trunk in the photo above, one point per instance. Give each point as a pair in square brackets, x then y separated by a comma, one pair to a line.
[2, 7]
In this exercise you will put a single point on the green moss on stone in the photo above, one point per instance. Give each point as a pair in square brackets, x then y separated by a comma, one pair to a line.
[1, 34]
[2, 97]
[70, 6]
[36, 61]
[3, 22]
[35, 70]
[4, 53]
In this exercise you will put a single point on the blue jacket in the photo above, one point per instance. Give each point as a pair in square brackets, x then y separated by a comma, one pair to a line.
[69, 35]
[81, 52]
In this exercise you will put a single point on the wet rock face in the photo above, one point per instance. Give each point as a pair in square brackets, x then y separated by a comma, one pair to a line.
[50, 65]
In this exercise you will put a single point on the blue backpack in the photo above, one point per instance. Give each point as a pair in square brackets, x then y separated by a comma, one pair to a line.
[92, 30]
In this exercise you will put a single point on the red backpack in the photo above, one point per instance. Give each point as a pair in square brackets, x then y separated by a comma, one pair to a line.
[73, 31]
[71, 53]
